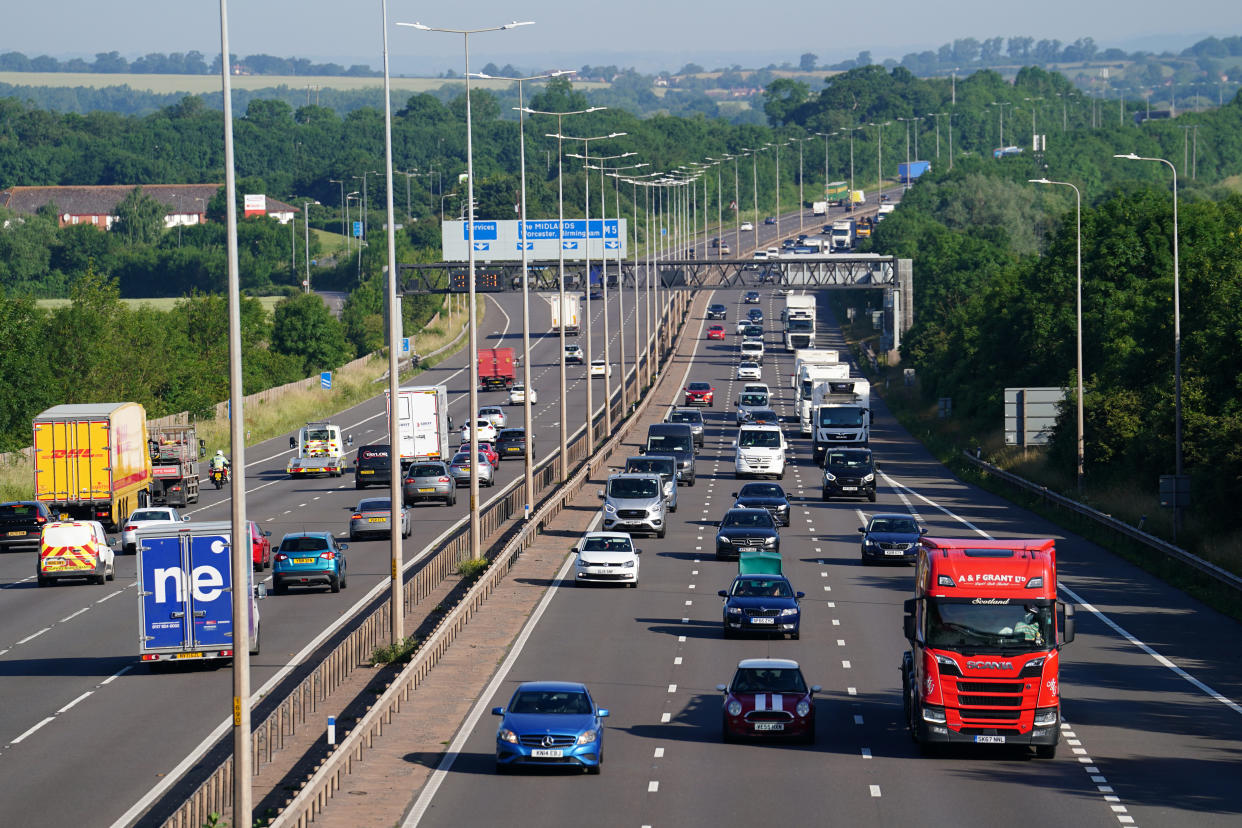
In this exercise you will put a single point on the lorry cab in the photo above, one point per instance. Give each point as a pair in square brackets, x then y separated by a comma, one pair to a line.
[985, 640]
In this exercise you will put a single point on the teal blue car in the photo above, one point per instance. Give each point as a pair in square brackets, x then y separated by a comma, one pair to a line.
[309, 559]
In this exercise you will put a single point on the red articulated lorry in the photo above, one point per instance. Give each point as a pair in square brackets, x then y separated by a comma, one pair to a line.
[496, 369]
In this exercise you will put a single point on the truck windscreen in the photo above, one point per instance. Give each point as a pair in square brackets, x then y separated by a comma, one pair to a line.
[955, 625]
[841, 417]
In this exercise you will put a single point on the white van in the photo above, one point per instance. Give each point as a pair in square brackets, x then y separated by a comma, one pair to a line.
[752, 350]
[760, 451]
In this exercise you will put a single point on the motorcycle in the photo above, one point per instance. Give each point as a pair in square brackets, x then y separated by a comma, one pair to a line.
[219, 477]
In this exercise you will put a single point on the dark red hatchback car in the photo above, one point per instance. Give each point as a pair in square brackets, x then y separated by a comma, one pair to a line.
[768, 698]
[260, 546]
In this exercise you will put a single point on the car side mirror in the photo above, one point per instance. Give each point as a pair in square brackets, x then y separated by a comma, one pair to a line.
[733, 494]
[602, 713]
[184, 518]
[735, 444]
[349, 440]
[642, 450]
[342, 546]
[724, 593]
[638, 551]
[799, 594]
[600, 493]
[862, 529]
[815, 688]
[498, 711]
[922, 530]
[721, 688]
[267, 534]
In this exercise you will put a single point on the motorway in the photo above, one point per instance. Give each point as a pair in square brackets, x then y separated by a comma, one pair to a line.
[1143, 744]
[86, 732]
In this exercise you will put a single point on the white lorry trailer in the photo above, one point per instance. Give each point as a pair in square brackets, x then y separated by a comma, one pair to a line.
[570, 312]
[818, 356]
[423, 424]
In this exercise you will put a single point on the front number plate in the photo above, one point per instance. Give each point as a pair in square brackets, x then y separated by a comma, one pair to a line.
[541, 753]
[769, 726]
[893, 552]
[763, 620]
[849, 488]
[990, 740]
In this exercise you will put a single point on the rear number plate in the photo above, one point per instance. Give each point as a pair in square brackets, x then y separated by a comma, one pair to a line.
[377, 520]
[769, 726]
[763, 620]
[188, 655]
[540, 753]
[425, 491]
[11, 534]
[303, 560]
[990, 740]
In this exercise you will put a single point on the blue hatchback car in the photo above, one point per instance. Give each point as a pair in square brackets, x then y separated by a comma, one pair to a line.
[309, 559]
[550, 723]
[761, 604]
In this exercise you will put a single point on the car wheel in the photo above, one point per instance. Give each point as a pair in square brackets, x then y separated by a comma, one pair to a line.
[501, 769]
[673, 508]
[111, 575]
[725, 632]
[594, 770]
[808, 738]
[358, 485]
[279, 588]
[726, 735]
[825, 497]
[43, 581]
[352, 537]
[871, 496]
[451, 500]
[335, 584]
[660, 534]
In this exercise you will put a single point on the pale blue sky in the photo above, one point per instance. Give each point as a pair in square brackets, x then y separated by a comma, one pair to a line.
[648, 34]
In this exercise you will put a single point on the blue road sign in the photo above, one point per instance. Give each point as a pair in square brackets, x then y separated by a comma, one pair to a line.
[357, 229]
[325, 380]
[530, 245]
[482, 230]
[569, 245]
[611, 244]
[481, 246]
[405, 344]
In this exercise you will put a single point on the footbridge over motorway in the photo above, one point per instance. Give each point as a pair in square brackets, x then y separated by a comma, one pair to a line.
[825, 271]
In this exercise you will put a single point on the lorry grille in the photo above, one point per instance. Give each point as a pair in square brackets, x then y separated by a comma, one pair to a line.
[1005, 714]
[988, 687]
[991, 701]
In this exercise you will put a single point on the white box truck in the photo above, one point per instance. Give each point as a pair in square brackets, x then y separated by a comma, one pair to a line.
[811, 378]
[821, 356]
[423, 424]
[841, 415]
[571, 312]
[799, 321]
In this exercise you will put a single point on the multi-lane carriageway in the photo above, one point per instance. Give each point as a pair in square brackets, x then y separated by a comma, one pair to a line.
[1152, 734]
[87, 736]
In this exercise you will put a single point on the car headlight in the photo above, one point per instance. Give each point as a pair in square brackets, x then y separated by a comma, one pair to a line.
[506, 735]
[586, 738]
[869, 478]
[733, 610]
[608, 507]
[869, 542]
[829, 477]
[803, 708]
[789, 611]
[722, 540]
[735, 708]
[1045, 716]
[770, 541]
[628, 564]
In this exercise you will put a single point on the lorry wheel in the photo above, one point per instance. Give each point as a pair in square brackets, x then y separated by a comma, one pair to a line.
[1046, 751]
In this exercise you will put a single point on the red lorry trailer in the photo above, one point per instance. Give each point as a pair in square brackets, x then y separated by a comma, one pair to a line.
[496, 369]
[985, 643]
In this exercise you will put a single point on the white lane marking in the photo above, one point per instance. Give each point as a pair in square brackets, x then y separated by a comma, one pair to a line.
[75, 701]
[840, 642]
[845, 665]
[689, 603]
[692, 586]
[665, 718]
[875, 790]
[73, 615]
[653, 786]
[32, 637]
[836, 622]
[110, 595]
[32, 730]
[117, 675]
[677, 661]
[681, 639]
[866, 753]
[853, 691]
[685, 620]
[832, 605]
[659, 753]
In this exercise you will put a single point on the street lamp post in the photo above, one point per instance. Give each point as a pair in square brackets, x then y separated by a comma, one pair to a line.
[473, 412]
[938, 116]
[1078, 317]
[1000, 107]
[528, 418]
[1177, 342]
[907, 175]
[879, 157]
[560, 298]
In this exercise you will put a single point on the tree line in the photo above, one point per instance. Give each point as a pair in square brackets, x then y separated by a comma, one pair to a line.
[178, 63]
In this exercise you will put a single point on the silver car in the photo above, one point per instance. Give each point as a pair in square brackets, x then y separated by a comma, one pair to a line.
[691, 417]
[495, 415]
[373, 516]
[634, 503]
[661, 464]
[429, 480]
[459, 469]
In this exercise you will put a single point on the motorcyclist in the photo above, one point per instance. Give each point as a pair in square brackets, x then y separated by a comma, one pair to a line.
[220, 463]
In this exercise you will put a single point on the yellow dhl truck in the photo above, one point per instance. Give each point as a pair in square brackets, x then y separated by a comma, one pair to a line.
[91, 461]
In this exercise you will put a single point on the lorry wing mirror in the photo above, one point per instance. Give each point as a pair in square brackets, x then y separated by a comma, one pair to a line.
[202, 448]
[1067, 633]
[909, 606]
[908, 627]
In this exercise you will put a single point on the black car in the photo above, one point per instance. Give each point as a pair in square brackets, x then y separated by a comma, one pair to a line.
[21, 524]
[891, 537]
[761, 604]
[849, 473]
[746, 530]
[755, 315]
[511, 442]
[768, 496]
[770, 220]
[374, 466]
[751, 297]
[717, 311]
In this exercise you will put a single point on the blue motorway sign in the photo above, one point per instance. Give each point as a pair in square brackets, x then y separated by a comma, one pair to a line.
[541, 239]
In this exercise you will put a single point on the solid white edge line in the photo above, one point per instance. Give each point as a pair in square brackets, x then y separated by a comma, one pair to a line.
[420, 806]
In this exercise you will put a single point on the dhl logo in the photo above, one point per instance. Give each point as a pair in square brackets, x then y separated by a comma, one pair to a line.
[60, 454]
[66, 557]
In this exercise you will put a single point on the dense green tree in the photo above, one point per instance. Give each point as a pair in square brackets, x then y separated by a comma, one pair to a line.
[303, 327]
[140, 218]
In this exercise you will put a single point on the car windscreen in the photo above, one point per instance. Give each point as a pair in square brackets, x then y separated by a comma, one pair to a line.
[753, 520]
[905, 525]
[685, 417]
[642, 465]
[303, 544]
[318, 434]
[668, 444]
[841, 417]
[699, 386]
[769, 680]
[850, 459]
[759, 439]
[755, 399]
[426, 470]
[559, 703]
[762, 587]
[604, 544]
[633, 487]
[461, 458]
[761, 490]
